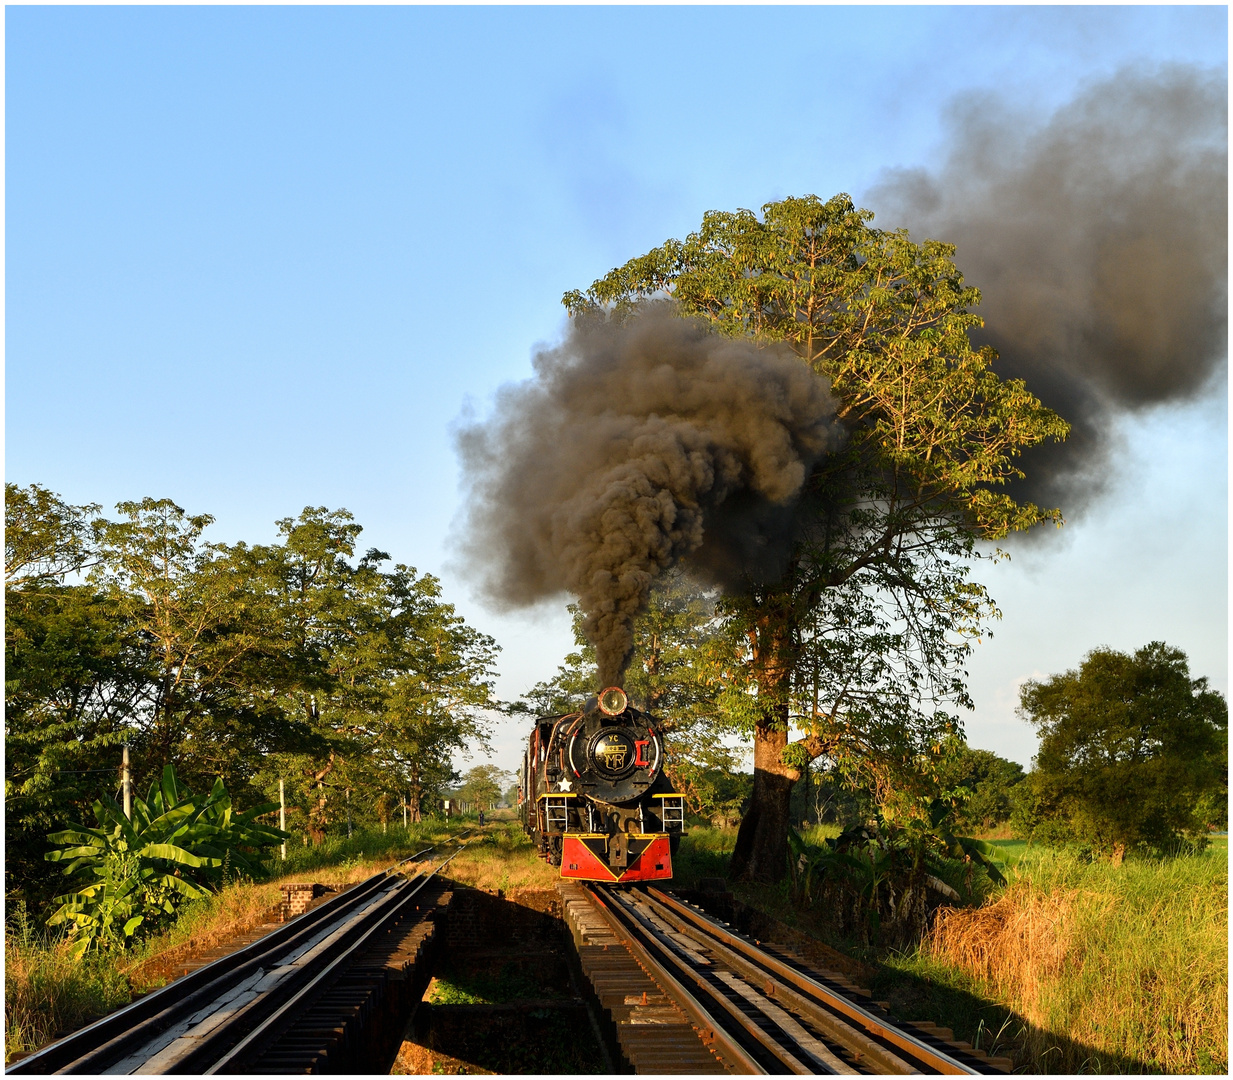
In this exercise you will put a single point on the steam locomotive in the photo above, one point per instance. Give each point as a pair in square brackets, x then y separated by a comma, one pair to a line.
[593, 794]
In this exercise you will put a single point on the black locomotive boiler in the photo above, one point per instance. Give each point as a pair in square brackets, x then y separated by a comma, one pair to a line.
[593, 794]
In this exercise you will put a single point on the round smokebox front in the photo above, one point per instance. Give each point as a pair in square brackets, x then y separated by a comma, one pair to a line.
[612, 750]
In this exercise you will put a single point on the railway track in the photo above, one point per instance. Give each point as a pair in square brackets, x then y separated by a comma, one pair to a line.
[757, 1010]
[296, 1000]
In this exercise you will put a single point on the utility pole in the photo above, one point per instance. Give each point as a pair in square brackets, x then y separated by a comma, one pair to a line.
[404, 811]
[126, 783]
[282, 817]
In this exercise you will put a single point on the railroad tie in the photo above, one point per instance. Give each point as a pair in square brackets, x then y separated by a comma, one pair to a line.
[653, 1034]
[331, 1032]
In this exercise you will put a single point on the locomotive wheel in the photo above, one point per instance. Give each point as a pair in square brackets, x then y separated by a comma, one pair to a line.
[556, 845]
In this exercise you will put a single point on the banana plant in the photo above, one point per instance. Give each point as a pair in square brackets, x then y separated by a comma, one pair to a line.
[879, 864]
[178, 846]
[941, 814]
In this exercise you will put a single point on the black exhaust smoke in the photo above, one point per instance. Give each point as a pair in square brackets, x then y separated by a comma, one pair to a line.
[636, 447]
[1099, 243]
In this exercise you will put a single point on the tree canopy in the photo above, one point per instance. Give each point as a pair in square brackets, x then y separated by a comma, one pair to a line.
[1133, 751]
[482, 786]
[301, 661]
[860, 640]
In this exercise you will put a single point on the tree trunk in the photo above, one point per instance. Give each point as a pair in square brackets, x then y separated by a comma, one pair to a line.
[415, 794]
[761, 852]
[318, 816]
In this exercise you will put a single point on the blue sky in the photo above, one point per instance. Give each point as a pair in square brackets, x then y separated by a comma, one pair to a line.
[263, 258]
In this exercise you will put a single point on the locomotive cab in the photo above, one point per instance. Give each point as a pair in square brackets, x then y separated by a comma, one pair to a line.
[594, 796]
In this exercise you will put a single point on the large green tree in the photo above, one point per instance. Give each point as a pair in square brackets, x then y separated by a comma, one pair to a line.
[382, 676]
[893, 517]
[76, 673]
[196, 607]
[482, 786]
[434, 679]
[1133, 751]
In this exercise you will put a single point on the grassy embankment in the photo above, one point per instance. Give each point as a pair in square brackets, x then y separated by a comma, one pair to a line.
[47, 993]
[1074, 966]
[1107, 968]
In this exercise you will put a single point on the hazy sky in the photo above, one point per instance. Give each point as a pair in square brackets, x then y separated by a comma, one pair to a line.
[264, 258]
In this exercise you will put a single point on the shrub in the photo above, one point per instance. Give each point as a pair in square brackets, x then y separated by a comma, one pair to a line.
[177, 846]
[880, 883]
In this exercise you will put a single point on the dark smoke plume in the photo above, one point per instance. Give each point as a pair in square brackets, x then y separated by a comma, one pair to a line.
[620, 457]
[1099, 243]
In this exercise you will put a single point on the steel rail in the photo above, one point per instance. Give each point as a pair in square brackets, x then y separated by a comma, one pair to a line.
[113, 1038]
[841, 1030]
[724, 941]
[266, 1028]
[193, 1044]
[94, 1047]
[708, 1028]
[785, 1050]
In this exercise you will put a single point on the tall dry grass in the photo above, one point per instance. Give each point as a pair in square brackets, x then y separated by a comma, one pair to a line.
[1113, 968]
[47, 992]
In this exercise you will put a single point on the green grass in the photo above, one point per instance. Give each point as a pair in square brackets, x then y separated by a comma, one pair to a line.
[1084, 966]
[365, 846]
[46, 992]
[1075, 966]
[454, 986]
[1128, 964]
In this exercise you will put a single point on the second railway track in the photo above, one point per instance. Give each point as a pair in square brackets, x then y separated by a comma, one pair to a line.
[279, 1005]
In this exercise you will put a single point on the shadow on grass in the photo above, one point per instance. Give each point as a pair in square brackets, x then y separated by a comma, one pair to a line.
[992, 1027]
[914, 987]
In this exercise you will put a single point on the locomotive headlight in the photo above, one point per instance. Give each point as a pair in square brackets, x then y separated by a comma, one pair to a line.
[613, 701]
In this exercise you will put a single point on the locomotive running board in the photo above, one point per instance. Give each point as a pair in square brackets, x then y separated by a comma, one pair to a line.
[585, 856]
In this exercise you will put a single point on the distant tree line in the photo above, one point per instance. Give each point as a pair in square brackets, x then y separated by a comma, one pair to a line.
[347, 678]
[1133, 757]
[482, 787]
